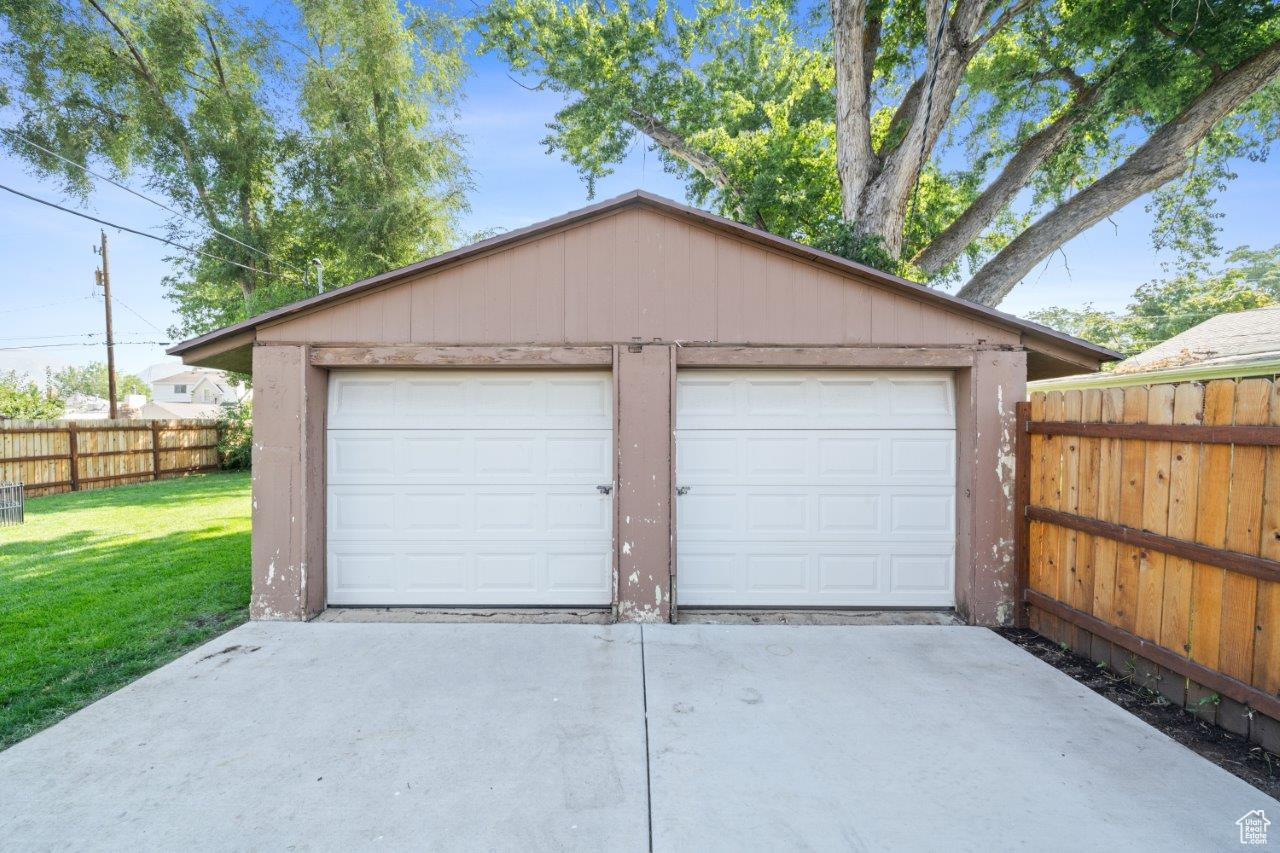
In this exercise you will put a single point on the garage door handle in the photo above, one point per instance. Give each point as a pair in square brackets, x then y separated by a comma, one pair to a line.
[683, 490]
[604, 490]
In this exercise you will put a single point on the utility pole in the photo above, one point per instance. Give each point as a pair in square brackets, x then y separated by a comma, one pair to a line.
[103, 277]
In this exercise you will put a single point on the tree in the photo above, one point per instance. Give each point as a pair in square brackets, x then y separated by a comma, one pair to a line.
[1163, 308]
[936, 138]
[20, 399]
[273, 143]
[92, 380]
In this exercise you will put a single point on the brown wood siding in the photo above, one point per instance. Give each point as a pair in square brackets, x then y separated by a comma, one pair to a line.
[637, 274]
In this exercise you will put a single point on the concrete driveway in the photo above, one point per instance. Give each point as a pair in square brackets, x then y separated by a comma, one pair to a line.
[410, 736]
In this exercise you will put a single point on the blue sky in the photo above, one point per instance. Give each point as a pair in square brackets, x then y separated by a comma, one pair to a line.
[48, 262]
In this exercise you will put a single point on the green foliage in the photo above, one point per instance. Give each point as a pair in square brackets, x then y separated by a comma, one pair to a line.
[1160, 309]
[235, 437]
[20, 399]
[332, 144]
[92, 380]
[749, 85]
[738, 98]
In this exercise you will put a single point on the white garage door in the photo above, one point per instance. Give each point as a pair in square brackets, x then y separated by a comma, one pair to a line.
[454, 487]
[815, 488]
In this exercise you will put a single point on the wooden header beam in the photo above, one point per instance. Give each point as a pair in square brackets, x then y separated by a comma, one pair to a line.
[464, 356]
[695, 355]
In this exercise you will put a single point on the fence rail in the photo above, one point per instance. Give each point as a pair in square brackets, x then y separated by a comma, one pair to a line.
[60, 456]
[1152, 538]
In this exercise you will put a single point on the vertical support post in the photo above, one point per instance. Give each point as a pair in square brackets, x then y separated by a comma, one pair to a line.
[74, 450]
[1022, 531]
[643, 440]
[155, 450]
[988, 595]
[288, 484]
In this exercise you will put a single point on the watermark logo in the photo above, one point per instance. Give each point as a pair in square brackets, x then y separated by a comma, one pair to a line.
[1253, 827]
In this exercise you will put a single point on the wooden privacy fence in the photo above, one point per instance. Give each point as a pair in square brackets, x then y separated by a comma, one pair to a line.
[61, 456]
[1152, 538]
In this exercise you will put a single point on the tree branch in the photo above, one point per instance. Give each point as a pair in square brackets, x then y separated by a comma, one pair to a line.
[1157, 161]
[697, 160]
[143, 70]
[1034, 150]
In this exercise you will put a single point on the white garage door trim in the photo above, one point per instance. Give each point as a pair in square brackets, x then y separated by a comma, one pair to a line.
[469, 487]
[829, 488]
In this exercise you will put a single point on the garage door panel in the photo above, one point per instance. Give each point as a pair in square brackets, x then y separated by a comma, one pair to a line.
[459, 573]
[816, 574]
[826, 513]
[465, 487]
[480, 456]
[768, 399]
[815, 488]
[465, 399]
[477, 513]
[837, 457]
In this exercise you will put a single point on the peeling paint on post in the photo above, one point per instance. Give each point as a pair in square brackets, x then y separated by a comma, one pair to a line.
[985, 593]
[642, 381]
[288, 484]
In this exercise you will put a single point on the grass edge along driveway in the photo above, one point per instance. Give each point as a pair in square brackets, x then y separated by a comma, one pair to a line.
[99, 588]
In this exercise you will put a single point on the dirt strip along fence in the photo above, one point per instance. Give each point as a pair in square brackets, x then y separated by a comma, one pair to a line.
[64, 456]
[1152, 539]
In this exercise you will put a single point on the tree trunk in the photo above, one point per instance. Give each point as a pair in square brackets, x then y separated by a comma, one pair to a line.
[855, 161]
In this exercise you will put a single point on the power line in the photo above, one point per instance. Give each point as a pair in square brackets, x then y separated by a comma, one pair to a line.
[22, 308]
[145, 197]
[49, 337]
[139, 233]
[121, 302]
[90, 343]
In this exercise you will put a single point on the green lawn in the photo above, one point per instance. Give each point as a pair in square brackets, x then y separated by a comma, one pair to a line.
[99, 588]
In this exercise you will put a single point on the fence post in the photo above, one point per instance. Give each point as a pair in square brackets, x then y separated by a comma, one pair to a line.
[73, 448]
[155, 450]
[1022, 524]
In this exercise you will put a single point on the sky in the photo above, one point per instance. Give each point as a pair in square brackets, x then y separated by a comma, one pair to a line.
[46, 288]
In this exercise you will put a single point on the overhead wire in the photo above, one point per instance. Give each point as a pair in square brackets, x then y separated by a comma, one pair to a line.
[21, 308]
[149, 235]
[148, 198]
[91, 343]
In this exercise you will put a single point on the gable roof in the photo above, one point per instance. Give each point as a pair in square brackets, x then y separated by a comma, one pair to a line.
[1053, 342]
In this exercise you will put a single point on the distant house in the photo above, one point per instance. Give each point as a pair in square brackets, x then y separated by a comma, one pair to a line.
[207, 387]
[192, 393]
[1235, 345]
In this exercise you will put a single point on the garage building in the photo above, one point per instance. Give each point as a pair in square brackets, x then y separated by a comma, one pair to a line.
[636, 407]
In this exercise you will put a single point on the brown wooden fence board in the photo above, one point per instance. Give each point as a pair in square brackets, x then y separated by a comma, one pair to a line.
[1155, 516]
[54, 456]
[1156, 545]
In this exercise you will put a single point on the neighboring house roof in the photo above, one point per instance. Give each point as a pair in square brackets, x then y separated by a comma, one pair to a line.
[1242, 343]
[230, 346]
[179, 411]
[1235, 338]
[186, 377]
